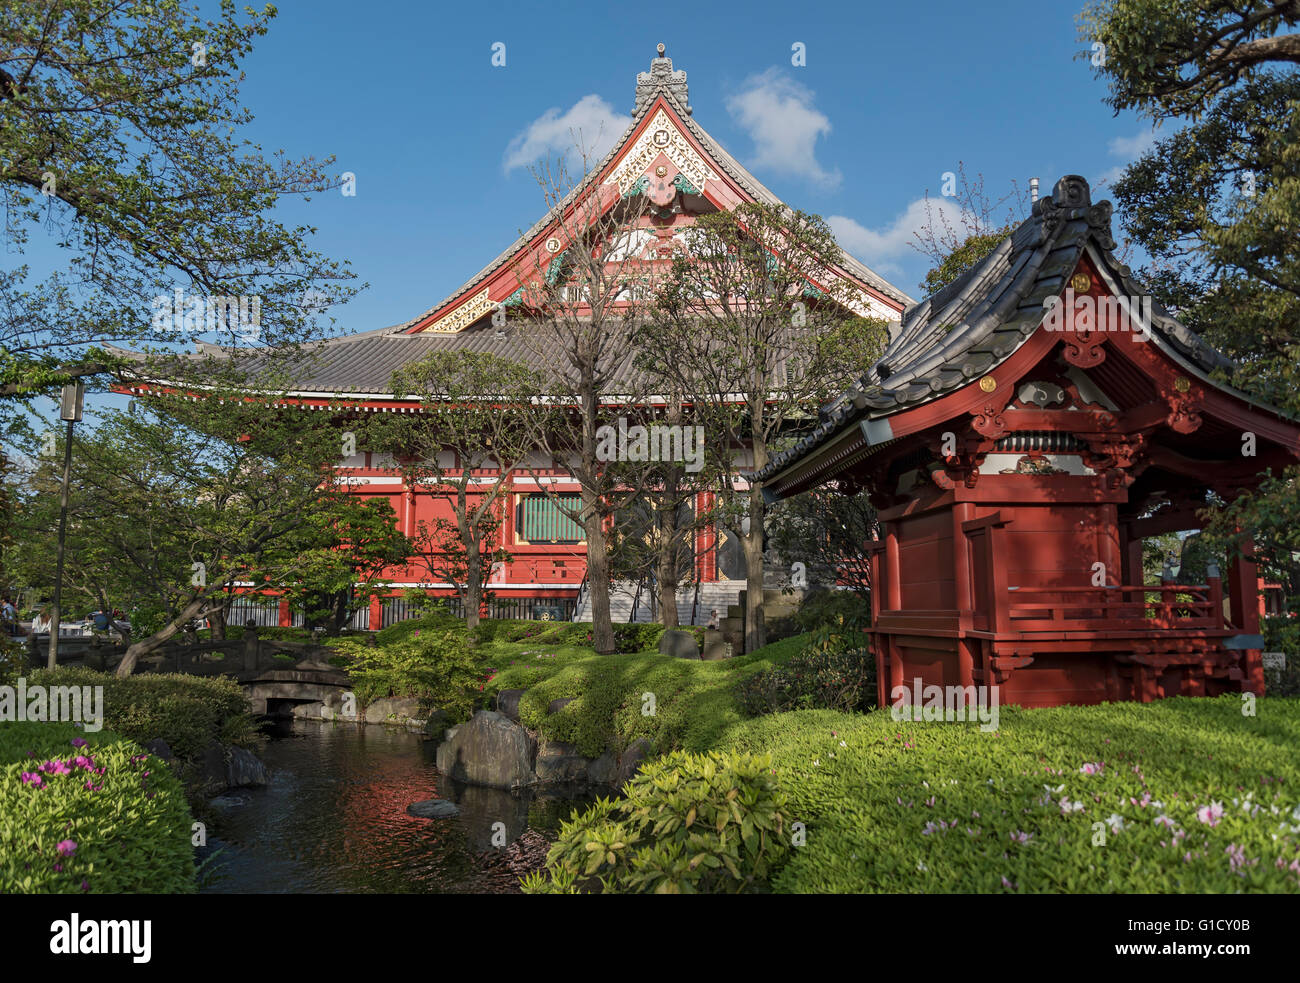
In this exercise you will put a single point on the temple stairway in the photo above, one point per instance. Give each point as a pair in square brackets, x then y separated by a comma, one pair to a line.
[721, 595]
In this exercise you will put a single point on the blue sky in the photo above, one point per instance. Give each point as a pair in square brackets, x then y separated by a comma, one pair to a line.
[405, 96]
[892, 95]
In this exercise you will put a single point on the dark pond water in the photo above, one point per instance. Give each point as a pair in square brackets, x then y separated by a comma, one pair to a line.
[333, 819]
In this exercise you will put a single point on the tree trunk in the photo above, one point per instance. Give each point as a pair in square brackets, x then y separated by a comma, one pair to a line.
[145, 646]
[755, 631]
[667, 568]
[473, 588]
[217, 619]
[602, 627]
[470, 538]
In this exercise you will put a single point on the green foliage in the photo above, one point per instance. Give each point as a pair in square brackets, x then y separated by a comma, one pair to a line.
[1216, 204]
[127, 151]
[1282, 635]
[834, 671]
[438, 666]
[896, 806]
[119, 815]
[820, 677]
[638, 637]
[687, 824]
[188, 712]
[436, 619]
[693, 701]
[967, 255]
[13, 660]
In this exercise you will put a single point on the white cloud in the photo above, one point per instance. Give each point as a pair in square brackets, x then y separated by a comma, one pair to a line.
[779, 116]
[591, 125]
[877, 248]
[1131, 148]
[1127, 149]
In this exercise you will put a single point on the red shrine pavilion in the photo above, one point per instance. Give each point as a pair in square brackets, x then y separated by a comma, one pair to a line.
[1027, 427]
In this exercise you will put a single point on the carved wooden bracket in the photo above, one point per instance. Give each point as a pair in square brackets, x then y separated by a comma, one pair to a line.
[1183, 416]
[988, 423]
[1084, 348]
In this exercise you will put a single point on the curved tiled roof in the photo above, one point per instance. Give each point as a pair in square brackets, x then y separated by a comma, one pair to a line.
[975, 323]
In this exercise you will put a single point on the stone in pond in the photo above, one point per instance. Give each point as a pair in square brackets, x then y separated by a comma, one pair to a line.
[433, 809]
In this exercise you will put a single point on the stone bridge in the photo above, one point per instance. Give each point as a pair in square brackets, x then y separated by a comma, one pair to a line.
[274, 674]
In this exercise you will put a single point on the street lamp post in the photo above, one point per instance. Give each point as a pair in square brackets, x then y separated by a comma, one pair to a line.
[70, 410]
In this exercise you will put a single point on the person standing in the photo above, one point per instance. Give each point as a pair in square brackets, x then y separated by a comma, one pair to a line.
[40, 623]
[9, 616]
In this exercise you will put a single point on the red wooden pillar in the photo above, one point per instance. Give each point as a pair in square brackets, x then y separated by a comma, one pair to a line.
[893, 586]
[376, 613]
[1242, 587]
[285, 619]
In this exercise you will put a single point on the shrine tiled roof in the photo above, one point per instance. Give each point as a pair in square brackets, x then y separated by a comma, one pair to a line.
[975, 323]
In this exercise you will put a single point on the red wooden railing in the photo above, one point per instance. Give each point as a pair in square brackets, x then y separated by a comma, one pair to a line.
[1115, 608]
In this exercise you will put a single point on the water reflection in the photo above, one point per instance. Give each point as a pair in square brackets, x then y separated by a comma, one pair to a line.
[333, 819]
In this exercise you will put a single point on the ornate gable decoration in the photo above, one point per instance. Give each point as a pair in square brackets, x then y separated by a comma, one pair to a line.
[468, 312]
[661, 137]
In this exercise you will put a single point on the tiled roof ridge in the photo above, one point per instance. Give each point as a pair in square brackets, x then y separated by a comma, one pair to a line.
[1000, 303]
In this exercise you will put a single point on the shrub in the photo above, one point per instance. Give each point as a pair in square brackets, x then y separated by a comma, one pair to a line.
[13, 659]
[436, 666]
[1283, 635]
[820, 677]
[831, 607]
[188, 712]
[688, 824]
[436, 620]
[627, 638]
[98, 817]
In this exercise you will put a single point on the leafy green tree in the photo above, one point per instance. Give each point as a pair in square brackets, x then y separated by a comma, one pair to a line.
[120, 141]
[193, 501]
[759, 329]
[346, 544]
[578, 317]
[467, 446]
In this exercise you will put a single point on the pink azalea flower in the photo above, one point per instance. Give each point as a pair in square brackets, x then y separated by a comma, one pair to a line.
[67, 847]
[55, 767]
[1210, 814]
[31, 778]
[78, 742]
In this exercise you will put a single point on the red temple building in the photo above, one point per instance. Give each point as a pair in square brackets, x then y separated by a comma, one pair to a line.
[664, 155]
[1027, 427]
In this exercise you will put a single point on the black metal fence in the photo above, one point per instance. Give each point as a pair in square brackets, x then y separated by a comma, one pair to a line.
[517, 608]
[264, 614]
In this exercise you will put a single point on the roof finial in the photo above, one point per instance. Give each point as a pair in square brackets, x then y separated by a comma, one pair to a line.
[661, 78]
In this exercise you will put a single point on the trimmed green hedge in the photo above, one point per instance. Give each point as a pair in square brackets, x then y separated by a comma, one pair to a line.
[1191, 796]
[100, 817]
[694, 702]
[188, 712]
